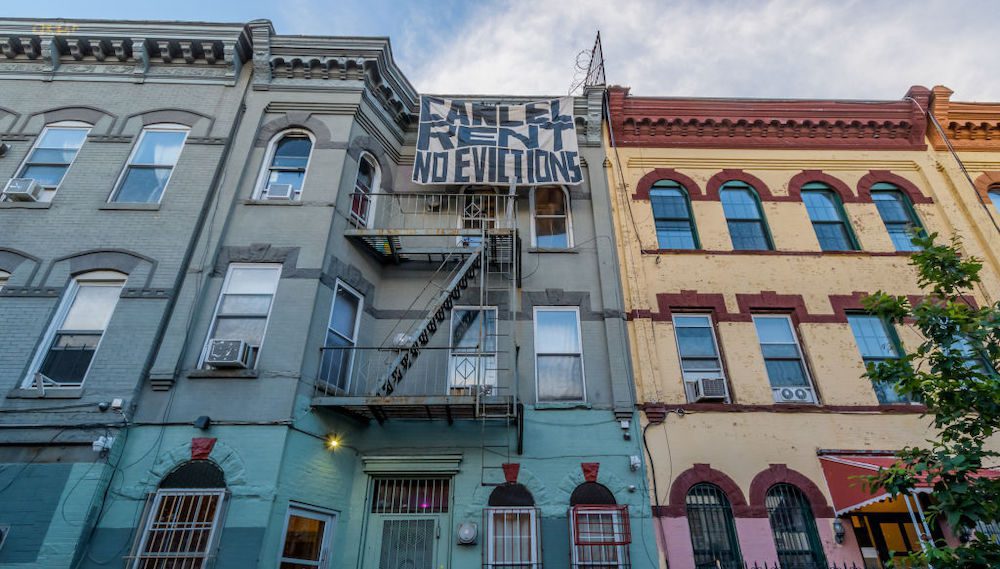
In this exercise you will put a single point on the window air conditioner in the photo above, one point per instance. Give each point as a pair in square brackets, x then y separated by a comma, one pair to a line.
[22, 190]
[280, 192]
[708, 389]
[231, 354]
[793, 395]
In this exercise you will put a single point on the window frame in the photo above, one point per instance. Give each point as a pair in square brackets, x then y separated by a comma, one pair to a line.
[838, 204]
[810, 383]
[620, 546]
[993, 195]
[567, 216]
[766, 228]
[718, 350]
[534, 347]
[339, 284]
[695, 238]
[95, 278]
[4, 278]
[534, 532]
[218, 304]
[726, 508]
[892, 336]
[329, 517]
[157, 127]
[268, 164]
[369, 219]
[885, 188]
[50, 192]
[782, 492]
[155, 498]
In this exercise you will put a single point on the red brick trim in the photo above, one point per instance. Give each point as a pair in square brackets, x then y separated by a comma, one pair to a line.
[703, 473]
[664, 408]
[731, 175]
[985, 182]
[781, 474]
[645, 183]
[749, 303]
[689, 300]
[777, 253]
[875, 176]
[807, 176]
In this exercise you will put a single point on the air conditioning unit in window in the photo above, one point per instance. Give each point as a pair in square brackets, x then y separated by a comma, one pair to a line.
[793, 395]
[22, 190]
[228, 354]
[708, 389]
[280, 192]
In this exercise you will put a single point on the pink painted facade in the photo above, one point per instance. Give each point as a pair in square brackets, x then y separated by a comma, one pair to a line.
[756, 540]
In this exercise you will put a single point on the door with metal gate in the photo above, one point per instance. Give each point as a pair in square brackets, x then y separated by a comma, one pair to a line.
[406, 522]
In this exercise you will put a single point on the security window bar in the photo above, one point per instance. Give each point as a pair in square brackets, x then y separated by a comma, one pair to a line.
[244, 306]
[365, 185]
[747, 227]
[341, 337]
[675, 227]
[551, 218]
[713, 528]
[897, 214]
[877, 343]
[786, 368]
[558, 355]
[417, 496]
[149, 167]
[698, 349]
[794, 528]
[180, 531]
[53, 154]
[600, 536]
[512, 538]
[288, 162]
[828, 218]
[306, 542]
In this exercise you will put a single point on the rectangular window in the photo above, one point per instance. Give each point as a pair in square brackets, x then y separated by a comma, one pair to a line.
[473, 355]
[512, 538]
[897, 214]
[77, 330]
[341, 337]
[786, 368]
[150, 165]
[181, 529]
[600, 536]
[558, 355]
[306, 541]
[672, 216]
[551, 218]
[698, 350]
[877, 343]
[244, 306]
[52, 155]
[4, 275]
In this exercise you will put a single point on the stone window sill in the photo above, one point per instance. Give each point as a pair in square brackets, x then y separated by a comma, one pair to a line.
[546, 250]
[558, 405]
[25, 205]
[222, 374]
[131, 206]
[50, 393]
[271, 202]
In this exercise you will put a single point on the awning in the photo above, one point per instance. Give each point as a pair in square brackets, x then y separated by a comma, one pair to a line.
[848, 490]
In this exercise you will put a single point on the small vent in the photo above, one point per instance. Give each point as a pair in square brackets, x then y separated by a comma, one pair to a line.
[22, 190]
[793, 395]
[228, 354]
[709, 389]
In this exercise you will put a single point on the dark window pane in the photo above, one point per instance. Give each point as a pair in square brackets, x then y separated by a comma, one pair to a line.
[303, 538]
[748, 236]
[550, 201]
[833, 237]
[47, 176]
[821, 205]
[69, 357]
[143, 185]
[891, 206]
[739, 203]
[668, 204]
[292, 152]
[674, 235]
[52, 156]
[696, 342]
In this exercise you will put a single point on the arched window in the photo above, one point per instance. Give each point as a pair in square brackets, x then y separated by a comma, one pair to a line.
[897, 214]
[794, 528]
[183, 521]
[366, 187]
[994, 194]
[76, 331]
[286, 163]
[671, 205]
[151, 164]
[512, 529]
[551, 227]
[747, 226]
[828, 218]
[713, 528]
[51, 156]
[600, 529]
[4, 275]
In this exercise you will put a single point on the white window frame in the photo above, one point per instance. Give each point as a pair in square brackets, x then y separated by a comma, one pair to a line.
[49, 192]
[533, 534]
[213, 539]
[4, 277]
[265, 170]
[339, 284]
[718, 350]
[810, 384]
[484, 376]
[579, 335]
[95, 278]
[328, 517]
[568, 216]
[162, 127]
[621, 551]
[218, 304]
[372, 194]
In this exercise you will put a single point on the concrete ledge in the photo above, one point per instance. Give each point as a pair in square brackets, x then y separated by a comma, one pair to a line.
[25, 205]
[50, 393]
[222, 374]
[547, 250]
[130, 206]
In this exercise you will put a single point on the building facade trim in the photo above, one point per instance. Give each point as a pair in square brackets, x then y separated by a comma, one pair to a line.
[781, 474]
[876, 176]
[702, 473]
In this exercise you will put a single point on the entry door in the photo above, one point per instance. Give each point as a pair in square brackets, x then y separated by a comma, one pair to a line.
[408, 524]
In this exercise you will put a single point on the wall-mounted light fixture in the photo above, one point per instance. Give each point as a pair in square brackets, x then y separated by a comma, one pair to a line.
[839, 532]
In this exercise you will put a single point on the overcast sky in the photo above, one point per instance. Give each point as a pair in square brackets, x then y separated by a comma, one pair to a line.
[863, 49]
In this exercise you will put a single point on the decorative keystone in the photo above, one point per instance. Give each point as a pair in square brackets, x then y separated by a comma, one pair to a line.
[201, 447]
[510, 470]
[590, 470]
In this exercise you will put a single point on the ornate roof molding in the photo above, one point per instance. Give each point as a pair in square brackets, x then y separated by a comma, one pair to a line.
[768, 123]
[119, 50]
[968, 126]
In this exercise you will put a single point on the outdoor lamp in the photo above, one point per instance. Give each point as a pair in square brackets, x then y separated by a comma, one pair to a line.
[838, 531]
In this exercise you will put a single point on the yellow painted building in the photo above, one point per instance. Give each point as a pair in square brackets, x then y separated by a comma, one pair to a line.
[748, 233]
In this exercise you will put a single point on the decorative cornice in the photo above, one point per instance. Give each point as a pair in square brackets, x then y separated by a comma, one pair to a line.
[767, 123]
[968, 126]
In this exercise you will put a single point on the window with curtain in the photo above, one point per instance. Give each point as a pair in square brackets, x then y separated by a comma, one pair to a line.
[745, 218]
[152, 162]
[897, 214]
[76, 331]
[877, 342]
[698, 348]
[512, 538]
[365, 185]
[828, 218]
[713, 528]
[675, 228]
[794, 528]
[341, 337]
[786, 368]
[53, 153]
[551, 218]
[558, 355]
[287, 161]
[306, 541]
[244, 306]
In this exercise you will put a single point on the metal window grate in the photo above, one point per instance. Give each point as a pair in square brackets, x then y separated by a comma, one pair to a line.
[601, 535]
[410, 496]
[512, 538]
[180, 529]
[794, 527]
[713, 528]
